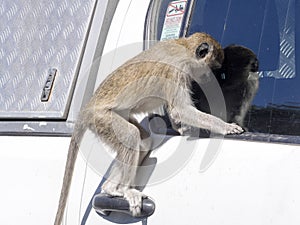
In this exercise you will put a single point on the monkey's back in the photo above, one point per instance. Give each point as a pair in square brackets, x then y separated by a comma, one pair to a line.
[163, 72]
[157, 72]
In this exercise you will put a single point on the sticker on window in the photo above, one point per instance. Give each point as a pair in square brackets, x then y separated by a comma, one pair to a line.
[173, 20]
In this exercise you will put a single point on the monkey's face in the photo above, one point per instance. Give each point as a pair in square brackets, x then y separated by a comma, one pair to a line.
[239, 63]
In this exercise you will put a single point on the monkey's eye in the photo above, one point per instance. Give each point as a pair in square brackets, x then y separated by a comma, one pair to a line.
[202, 50]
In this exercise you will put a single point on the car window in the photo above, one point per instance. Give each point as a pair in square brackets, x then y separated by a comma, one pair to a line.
[271, 29]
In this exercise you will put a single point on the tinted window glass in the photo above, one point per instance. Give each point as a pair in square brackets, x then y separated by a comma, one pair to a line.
[271, 29]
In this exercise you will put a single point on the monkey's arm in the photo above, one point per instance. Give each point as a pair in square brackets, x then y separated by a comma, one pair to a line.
[191, 116]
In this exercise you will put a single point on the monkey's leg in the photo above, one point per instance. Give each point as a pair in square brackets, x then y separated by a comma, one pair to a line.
[250, 93]
[125, 139]
[146, 141]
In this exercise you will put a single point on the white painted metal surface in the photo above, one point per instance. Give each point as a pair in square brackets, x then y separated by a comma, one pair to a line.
[248, 183]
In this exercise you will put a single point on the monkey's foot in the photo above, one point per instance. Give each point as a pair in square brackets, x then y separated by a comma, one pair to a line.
[111, 189]
[233, 128]
[184, 129]
[134, 198]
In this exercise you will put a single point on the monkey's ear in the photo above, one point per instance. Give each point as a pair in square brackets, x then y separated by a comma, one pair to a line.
[202, 50]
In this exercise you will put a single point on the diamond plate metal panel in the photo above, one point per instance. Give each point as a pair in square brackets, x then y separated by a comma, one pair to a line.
[287, 25]
[36, 36]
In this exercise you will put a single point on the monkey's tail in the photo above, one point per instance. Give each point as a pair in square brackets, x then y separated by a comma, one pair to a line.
[78, 133]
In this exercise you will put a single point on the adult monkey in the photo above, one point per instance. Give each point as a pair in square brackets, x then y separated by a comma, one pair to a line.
[160, 76]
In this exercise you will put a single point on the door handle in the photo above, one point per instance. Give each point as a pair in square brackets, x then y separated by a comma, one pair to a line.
[105, 204]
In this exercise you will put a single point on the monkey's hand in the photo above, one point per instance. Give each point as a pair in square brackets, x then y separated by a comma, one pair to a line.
[233, 128]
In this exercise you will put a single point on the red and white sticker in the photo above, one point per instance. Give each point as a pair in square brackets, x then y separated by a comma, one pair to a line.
[173, 20]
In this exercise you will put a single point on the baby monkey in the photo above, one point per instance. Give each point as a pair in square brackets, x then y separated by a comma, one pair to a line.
[239, 81]
[160, 76]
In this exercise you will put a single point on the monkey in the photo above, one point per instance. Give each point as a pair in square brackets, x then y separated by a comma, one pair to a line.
[239, 81]
[159, 76]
